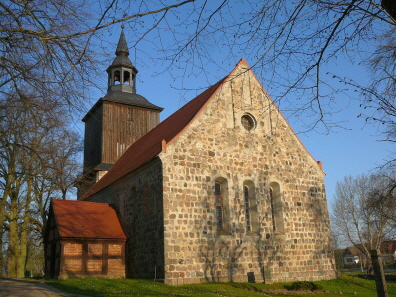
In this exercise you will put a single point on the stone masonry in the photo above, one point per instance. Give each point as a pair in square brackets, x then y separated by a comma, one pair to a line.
[216, 147]
[138, 198]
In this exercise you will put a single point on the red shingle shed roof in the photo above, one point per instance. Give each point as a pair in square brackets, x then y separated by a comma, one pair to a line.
[82, 219]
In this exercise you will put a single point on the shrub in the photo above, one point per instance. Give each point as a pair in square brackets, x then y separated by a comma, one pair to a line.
[303, 285]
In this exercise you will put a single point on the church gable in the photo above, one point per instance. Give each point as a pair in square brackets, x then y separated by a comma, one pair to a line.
[241, 117]
[239, 182]
[240, 104]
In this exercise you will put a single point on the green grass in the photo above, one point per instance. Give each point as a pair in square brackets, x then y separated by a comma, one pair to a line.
[348, 285]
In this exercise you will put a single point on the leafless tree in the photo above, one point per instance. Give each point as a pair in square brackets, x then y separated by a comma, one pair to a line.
[47, 45]
[383, 199]
[290, 44]
[379, 105]
[37, 154]
[357, 218]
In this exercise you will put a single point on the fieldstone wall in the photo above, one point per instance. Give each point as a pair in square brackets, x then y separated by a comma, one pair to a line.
[138, 201]
[289, 235]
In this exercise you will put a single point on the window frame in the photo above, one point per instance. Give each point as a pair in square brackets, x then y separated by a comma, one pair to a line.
[248, 122]
[276, 204]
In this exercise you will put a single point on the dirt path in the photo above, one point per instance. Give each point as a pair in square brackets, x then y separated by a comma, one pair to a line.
[23, 288]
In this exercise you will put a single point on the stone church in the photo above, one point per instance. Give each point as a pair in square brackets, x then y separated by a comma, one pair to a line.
[221, 190]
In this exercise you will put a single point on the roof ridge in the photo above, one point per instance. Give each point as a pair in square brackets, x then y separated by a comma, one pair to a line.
[150, 145]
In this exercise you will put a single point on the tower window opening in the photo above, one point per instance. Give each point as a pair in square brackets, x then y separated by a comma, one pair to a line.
[117, 77]
[127, 77]
[134, 80]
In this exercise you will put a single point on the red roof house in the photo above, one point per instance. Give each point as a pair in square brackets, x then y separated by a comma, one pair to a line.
[84, 239]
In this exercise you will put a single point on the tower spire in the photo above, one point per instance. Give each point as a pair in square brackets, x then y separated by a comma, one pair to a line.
[122, 78]
[122, 47]
[122, 73]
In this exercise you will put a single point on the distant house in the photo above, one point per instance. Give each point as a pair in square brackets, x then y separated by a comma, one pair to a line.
[84, 239]
[351, 256]
[388, 252]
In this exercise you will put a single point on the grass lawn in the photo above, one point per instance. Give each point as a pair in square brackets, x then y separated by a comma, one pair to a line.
[348, 285]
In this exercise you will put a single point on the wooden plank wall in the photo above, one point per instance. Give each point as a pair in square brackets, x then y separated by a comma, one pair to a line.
[93, 139]
[122, 126]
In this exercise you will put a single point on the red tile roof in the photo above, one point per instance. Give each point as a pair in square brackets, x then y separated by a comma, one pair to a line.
[150, 145]
[388, 247]
[353, 250]
[82, 219]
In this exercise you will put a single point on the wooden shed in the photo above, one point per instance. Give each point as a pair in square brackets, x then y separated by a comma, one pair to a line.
[84, 239]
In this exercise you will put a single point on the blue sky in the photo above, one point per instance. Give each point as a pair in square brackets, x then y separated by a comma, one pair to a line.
[353, 148]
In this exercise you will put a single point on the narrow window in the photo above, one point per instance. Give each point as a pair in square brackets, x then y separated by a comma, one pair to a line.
[247, 208]
[219, 206]
[272, 209]
[250, 206]
[276, 208]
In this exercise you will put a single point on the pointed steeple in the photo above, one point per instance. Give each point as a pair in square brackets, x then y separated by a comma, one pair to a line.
[122, 78]
[122, 47]
[122, 73]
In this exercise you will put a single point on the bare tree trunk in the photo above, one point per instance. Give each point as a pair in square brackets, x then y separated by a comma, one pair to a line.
[2, 214]
[22, 258]
[64, 192]
[13, 246]
[2, 219]
[21, 261]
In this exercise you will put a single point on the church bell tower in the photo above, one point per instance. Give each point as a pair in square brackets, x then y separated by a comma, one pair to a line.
[116, 120]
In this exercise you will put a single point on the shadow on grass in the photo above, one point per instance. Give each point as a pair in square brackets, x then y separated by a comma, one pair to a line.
[388, 277]
[109, 288]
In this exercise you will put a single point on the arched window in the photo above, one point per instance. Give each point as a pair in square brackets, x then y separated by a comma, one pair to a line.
[219, 206]
[250, 206]
[247, 208]
[276, 208]
[117, 77]
[127, 78]
[272, 209]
